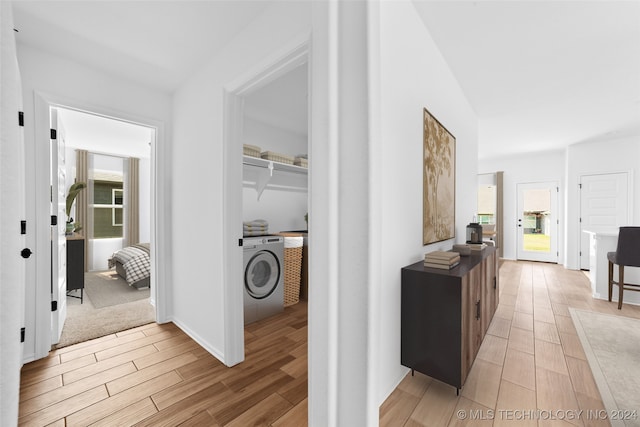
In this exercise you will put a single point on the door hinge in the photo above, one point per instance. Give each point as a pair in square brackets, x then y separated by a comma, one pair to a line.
[580, 253]
[558, 253]
[23, 227]
[239, 242]
[21, 118]
[580, 219]
[580, 185]
[54, 134]
[557, 221]
[557, 189]
[54, 219]
[54, 305]
[22, 334]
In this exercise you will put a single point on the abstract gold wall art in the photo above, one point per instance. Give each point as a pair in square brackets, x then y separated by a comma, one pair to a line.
[439, 186]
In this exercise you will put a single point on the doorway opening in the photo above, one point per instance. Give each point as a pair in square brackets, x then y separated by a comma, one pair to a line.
[271, 178]
[109, 163]
[275, 194]
[490, 209]
[538, 221]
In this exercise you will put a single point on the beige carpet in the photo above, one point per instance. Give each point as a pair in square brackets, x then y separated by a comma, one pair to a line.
[612, 346]
[85, 322]
[107, 288]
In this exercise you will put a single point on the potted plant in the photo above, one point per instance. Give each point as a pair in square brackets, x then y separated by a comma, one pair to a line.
[75, 188]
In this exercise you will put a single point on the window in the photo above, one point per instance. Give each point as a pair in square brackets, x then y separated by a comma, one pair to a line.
[108, 205]
[116, 209]
[486, 204]
[486, 219]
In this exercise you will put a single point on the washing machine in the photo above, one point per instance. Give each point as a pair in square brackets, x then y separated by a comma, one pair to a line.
[263, 277]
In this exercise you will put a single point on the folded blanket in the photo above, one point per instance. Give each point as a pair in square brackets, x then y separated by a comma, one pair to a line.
[256, 223]
[135, 260]
[254, 233]
[247, 228]
[255, 230]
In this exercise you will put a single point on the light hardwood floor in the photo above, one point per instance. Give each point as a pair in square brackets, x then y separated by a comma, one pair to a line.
[157, 376]
[531, 359]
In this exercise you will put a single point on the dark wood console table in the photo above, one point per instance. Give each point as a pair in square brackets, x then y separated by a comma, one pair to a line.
[446, 313]
[75, 264]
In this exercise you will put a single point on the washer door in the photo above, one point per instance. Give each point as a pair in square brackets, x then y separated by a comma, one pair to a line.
[262, 274]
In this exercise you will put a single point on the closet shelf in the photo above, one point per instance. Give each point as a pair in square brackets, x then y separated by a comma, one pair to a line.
[272, 165]
[268, 166]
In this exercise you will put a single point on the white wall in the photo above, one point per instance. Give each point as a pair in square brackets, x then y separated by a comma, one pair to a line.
[533, 167]
[198, 181]
[80, 86]
[285, 201]
[606, 156]
[271, 138]
[414, 76]
[341, 377]
[101, 250]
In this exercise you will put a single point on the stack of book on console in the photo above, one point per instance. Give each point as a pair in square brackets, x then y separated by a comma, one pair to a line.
[477, 246]
[441, 259]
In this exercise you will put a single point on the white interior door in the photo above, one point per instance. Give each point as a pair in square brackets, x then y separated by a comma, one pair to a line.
[538, 221]
[604, 206]
[13, 251]
[58, 238]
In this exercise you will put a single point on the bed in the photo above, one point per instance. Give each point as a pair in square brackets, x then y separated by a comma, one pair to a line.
[133, 264]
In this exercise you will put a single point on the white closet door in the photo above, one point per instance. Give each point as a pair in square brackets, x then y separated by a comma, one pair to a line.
[604, 207]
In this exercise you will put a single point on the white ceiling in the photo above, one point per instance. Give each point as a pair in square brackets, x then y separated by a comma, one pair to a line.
[156, 43]
[543, 74]
[104, 135]
[539, 74]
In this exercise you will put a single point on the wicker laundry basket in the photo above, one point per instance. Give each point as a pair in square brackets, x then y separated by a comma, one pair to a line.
[292, 271]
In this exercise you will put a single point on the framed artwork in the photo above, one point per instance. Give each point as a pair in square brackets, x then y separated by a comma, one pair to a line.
[439, 182]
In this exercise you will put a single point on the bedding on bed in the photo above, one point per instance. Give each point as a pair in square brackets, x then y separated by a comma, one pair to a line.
[135, 260]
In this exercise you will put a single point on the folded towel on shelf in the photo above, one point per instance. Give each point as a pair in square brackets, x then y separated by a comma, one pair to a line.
[251, 228]
[257, 227]
[256, 223]
[246, 233]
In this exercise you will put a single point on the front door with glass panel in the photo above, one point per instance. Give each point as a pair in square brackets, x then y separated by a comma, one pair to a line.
[537, 222]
